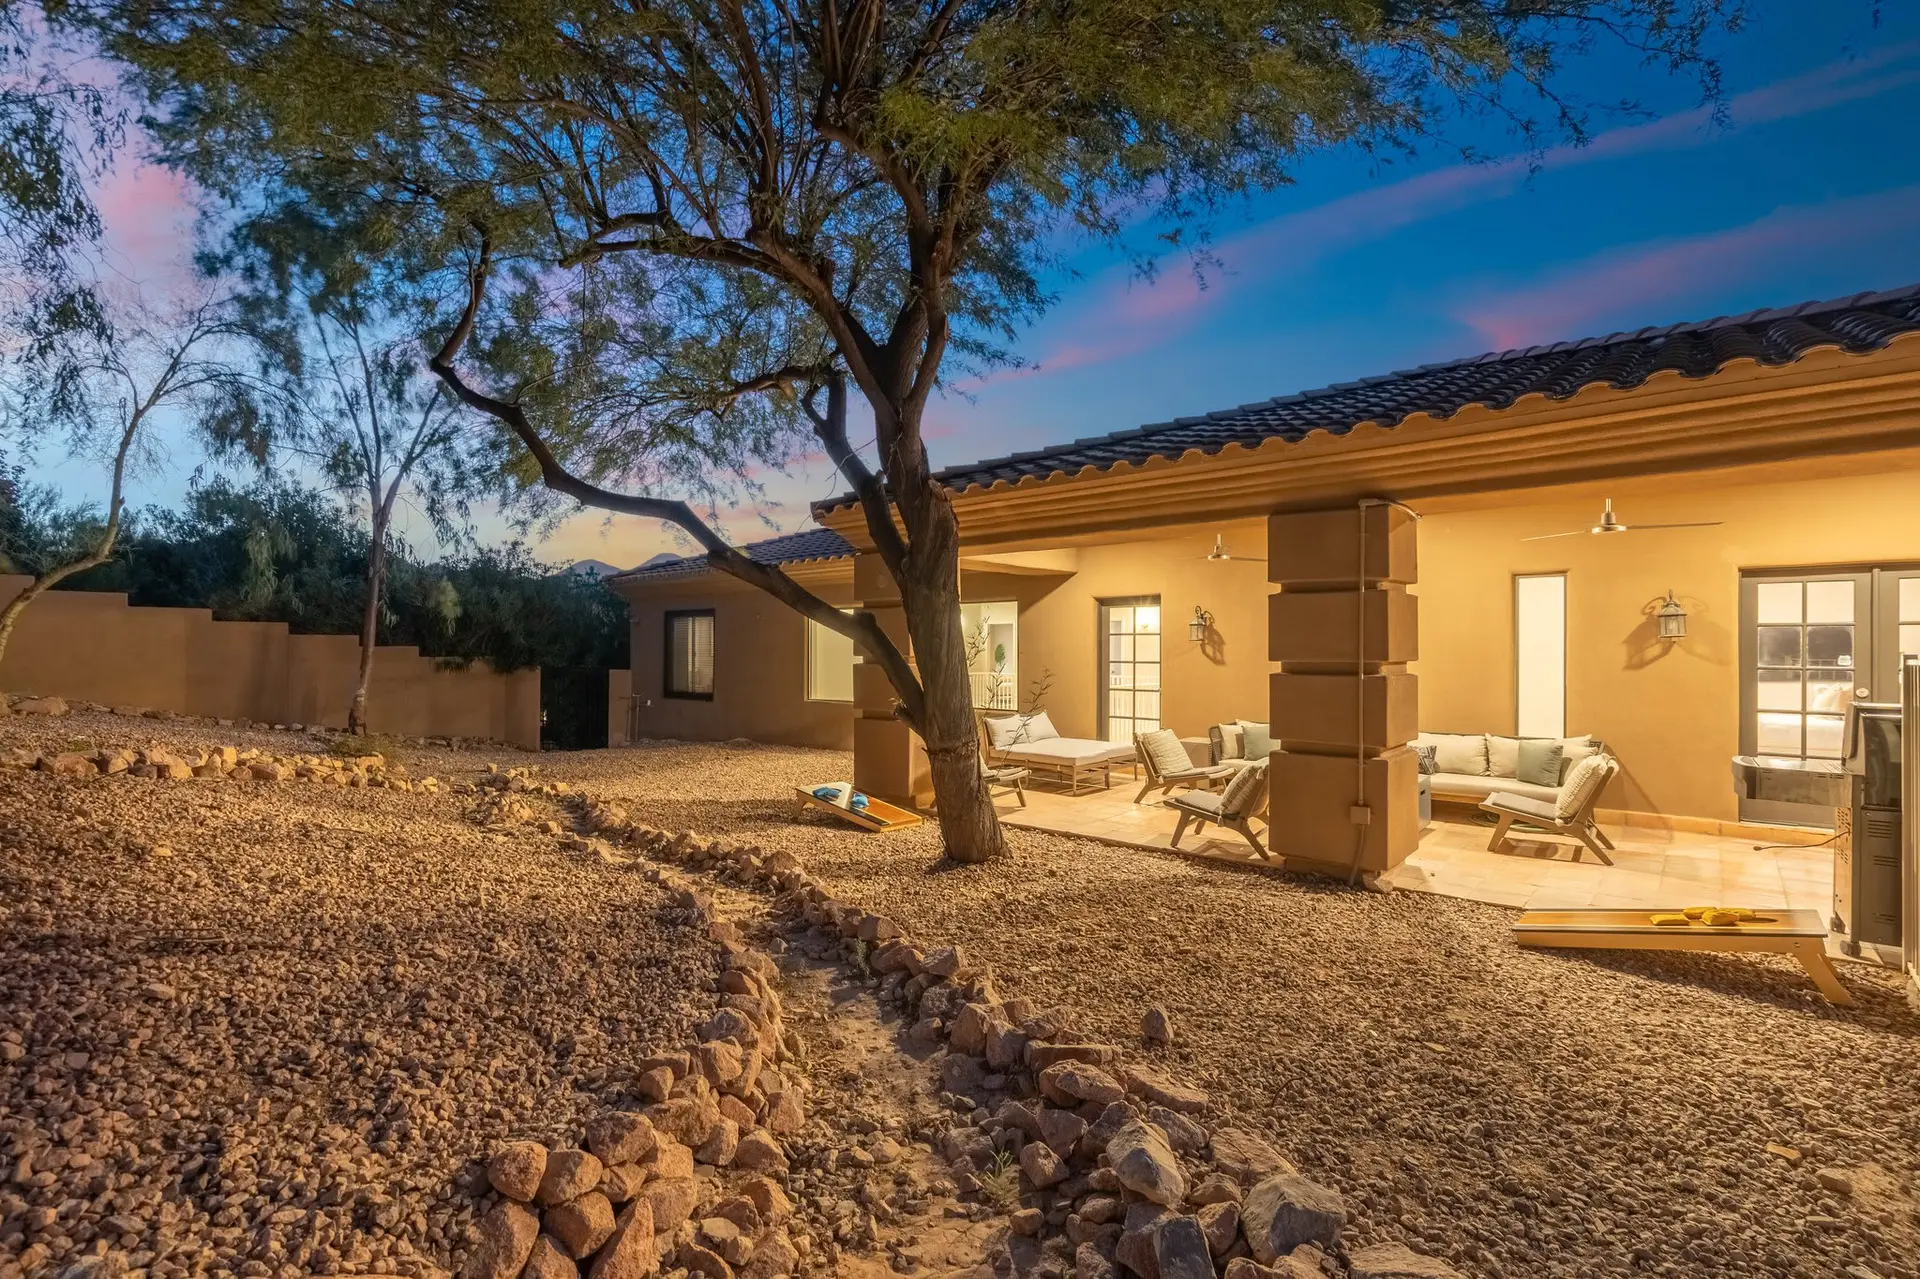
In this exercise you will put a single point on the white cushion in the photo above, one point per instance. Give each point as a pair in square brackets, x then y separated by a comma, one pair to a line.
[1009, 730]
[1070, 750]
[1587, 777]
[1464, 753]
[1572, 751]
[1459, 786]
[1229, 741]
[1503, 756]
[1164, 751]
[1240, 791]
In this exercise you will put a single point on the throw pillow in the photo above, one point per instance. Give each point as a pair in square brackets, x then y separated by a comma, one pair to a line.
[1586, 778]
[1461, 753]
[1227, 741]
[1255, 743]
[1238, 796]
[1539, 761]
[1429, 765]
[1162, 747]
[1503, 756]
[1573, 750]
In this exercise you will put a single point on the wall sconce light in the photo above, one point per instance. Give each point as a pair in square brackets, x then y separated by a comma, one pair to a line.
[1198, 627]
[1672, 619]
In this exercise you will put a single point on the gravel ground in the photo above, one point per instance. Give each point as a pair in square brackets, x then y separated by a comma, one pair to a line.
[1522, 1113]
[263, 1029]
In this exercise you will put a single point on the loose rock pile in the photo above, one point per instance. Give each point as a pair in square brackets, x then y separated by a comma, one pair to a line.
[1117, 1170]
[55, 707]
[224, 763]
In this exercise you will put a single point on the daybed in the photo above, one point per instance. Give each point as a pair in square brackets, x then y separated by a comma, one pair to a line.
[1033, 742]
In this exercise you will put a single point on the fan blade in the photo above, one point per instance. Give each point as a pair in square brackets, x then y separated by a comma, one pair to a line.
[1637, 528]
[1548, 537]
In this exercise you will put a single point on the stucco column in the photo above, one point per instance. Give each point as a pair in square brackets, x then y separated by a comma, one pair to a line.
[1344, 793]
[887, 758]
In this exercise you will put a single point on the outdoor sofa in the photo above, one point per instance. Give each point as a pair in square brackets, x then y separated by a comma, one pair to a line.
[1468, 767]
[1032, 741]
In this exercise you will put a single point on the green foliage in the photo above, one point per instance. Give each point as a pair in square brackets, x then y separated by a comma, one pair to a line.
[275, 552]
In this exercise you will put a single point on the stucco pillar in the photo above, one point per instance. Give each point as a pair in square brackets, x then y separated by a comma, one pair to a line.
[887, 758]
[1344, 788]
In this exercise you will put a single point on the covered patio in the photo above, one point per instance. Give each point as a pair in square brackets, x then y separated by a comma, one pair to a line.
[1653, 868]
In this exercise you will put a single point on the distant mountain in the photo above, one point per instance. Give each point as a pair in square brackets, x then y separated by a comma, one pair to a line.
[595, 568]
[663, 557]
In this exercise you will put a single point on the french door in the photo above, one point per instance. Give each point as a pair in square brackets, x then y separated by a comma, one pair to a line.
[1130, 670]
[1811, 644]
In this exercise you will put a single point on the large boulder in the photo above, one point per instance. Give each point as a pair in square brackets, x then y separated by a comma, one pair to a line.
[1134, 1249]
[1069, 1083]
[1180, 1250]
[549, 1260]
[630, 1253]
[1157, 1089]
[1042, 1167]
[507, 1233]
[1287, 1210]
[1146, 1165]
[581, 1225]
[1397, 1261]
[569, 1174]
[1246, 1158]
[669, 1201]
[621, 1137]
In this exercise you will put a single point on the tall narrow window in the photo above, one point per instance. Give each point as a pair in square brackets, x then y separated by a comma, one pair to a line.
[829, 664]
[991, 632]
[1540, 655]
[689, 654]
[1130, 643]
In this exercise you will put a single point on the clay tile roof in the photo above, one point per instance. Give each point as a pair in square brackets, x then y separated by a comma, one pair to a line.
[1858, 324]
[792, 548]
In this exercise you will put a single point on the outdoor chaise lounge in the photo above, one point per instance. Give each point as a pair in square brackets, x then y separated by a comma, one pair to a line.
[1232, 808]
[1570, 812]
[1033, 742]
[1168, 767]
[1012, 777]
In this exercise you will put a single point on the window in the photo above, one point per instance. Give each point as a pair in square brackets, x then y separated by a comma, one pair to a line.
[1802, 671]
[1130, 643]
[689, 654]
[829, 664]
[991, 634]
[1540, 655]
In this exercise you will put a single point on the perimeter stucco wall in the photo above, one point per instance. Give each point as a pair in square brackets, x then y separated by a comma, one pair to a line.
[1670, 711]
[759, 664]
[92, 646]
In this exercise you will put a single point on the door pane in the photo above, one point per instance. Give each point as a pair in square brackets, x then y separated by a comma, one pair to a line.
[1778, 603]
[1146, 705]
[1778, 646]
[1829, 602]
[1829, 691]
[1830, 646]
[1120, 702]
[1823, 736]
[1909, 637]
[1778, 691]
[1779, 734]
[1146, 648]
[1910, 599]
[1147, 674]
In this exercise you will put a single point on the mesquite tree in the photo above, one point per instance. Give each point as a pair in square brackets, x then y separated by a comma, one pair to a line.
[108, 388]
[883, 179]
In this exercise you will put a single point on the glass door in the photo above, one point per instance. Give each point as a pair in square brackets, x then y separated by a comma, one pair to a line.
[1896, 629]
[1130, 644]
[1806, 650]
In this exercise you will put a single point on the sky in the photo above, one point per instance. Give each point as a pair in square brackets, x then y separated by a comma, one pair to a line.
[1808, 187]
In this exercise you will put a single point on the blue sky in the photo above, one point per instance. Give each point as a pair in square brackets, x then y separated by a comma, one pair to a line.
[1810, 190]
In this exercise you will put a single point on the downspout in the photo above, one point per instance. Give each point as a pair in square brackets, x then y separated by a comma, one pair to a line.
[1361, 813]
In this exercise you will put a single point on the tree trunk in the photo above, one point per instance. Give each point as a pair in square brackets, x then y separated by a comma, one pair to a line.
[369, 631]
[929, 583]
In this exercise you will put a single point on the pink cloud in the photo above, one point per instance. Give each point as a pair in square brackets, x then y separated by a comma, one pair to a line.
[1585, 296]
[148, 212]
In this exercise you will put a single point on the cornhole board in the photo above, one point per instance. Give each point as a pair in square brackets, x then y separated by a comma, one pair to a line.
[877, 815]
[1799, 933]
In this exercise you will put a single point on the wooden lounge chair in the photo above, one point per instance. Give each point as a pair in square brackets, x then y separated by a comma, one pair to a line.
[1571, 815]
[1232, 808]
[1168, 767]
[1014, 778]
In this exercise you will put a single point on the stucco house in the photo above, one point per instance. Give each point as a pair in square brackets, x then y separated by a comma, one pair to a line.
[1360, 563]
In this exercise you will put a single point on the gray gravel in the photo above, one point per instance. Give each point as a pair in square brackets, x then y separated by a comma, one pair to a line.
[1521, 1113]
[265, 1028]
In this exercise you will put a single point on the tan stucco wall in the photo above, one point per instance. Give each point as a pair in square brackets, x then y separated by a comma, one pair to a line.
[1670, 713]
[92, 646]
[759, 666]
[1223, 679]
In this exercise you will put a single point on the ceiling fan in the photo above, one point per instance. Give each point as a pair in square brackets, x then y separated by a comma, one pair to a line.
[1219, 553]
[1610, 523]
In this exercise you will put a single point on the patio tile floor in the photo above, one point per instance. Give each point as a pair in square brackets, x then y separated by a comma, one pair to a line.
[1652, 868]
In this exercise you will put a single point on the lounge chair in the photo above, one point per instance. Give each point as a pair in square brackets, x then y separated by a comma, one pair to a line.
[1168, 766]
[1569, 813]
[1007, 777]
[1232, 808]
[1032, 741]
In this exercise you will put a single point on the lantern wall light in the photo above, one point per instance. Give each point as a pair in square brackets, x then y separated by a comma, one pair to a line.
[1672, 619]
[1202, 622]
